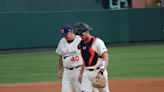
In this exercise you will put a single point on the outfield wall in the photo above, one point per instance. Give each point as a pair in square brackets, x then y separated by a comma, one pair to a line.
[41, 28]
[48, 5]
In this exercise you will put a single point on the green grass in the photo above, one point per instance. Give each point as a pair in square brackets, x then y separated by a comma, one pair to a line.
[137, 61]
[28, 67]
[142, 61]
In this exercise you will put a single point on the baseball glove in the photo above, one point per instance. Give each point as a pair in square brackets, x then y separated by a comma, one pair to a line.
[99, 82]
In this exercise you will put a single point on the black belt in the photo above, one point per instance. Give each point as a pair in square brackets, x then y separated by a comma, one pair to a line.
[73, 67]
[93, 69]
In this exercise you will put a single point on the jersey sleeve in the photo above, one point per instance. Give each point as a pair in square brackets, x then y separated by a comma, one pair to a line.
[58, 49]
[101, 48]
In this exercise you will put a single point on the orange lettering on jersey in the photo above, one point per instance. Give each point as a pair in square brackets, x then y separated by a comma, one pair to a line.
[75, 58]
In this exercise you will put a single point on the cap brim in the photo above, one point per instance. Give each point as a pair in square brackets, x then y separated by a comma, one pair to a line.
[64, 34]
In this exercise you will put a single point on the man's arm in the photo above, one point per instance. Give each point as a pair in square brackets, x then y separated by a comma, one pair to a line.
[60, 66]
[105, 57]
[81, 73]
[103, 52]
[104, 63]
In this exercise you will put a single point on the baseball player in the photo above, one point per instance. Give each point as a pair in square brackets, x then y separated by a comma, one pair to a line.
[69, 58]
[95, 58]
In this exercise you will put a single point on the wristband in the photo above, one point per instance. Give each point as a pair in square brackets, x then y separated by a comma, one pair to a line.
[101, 71]
[103, 64]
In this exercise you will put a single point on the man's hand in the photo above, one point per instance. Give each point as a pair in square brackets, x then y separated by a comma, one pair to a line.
[81, 74]
[60, 74]
[98, 75]
[80, 78]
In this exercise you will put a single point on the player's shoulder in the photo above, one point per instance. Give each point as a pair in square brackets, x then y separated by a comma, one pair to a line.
[78, 37]
[62, 40]
[98, 40]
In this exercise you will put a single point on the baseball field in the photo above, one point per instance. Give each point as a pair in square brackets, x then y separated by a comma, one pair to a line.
[132, 68]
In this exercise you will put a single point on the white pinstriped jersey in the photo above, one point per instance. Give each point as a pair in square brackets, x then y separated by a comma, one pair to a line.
[71, 55]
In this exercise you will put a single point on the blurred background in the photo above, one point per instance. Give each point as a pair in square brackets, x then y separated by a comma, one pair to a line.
[36, 23]
[29, 34]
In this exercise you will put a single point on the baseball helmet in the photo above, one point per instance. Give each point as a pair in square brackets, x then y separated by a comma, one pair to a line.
[82, 27]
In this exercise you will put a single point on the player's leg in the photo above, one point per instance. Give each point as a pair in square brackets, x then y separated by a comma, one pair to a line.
[86, 85]
[93, 74]
[75, 81]
[66, 82]
[95, 90]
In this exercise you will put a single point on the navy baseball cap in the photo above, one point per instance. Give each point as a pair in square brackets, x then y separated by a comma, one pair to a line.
[65, 29]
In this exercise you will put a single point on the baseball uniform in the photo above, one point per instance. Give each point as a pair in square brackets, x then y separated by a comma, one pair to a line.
[72, 62]
[91, 53]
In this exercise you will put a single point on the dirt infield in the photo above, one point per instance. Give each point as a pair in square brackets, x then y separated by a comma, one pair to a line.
[130, 85]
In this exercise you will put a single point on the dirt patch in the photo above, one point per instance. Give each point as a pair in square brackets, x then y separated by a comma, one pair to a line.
[137, 85]
[130, 85]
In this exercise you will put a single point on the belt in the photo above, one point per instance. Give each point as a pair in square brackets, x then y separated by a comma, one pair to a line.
[73, 67]
[93, 69]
